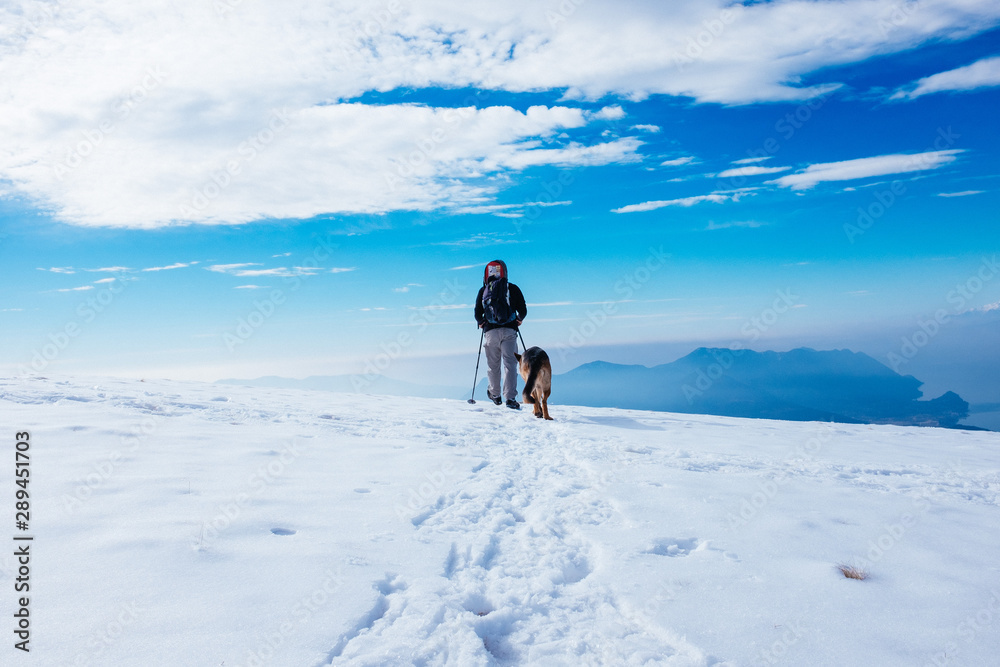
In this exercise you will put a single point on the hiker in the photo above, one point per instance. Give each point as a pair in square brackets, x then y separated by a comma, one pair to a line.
[500, 309]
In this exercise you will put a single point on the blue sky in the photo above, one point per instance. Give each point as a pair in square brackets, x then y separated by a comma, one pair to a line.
[200, 191]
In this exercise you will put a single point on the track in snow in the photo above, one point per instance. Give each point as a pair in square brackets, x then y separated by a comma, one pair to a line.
[514, 575]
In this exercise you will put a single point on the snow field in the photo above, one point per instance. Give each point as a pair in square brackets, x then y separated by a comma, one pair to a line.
[186, 523]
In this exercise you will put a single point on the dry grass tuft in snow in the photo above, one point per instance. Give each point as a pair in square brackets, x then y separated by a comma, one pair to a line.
[853, 571]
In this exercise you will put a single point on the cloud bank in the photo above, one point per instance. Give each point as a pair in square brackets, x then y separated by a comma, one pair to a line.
[174, 112]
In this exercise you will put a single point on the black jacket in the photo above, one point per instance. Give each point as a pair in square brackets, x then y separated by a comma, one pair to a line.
[516, 302]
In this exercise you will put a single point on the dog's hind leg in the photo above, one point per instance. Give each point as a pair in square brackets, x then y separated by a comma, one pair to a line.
[545, 405]
[533, 399]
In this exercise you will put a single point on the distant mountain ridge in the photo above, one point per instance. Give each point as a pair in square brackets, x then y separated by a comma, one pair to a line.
[799, 385]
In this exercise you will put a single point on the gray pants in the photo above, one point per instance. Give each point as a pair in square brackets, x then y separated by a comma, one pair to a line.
[501, 343]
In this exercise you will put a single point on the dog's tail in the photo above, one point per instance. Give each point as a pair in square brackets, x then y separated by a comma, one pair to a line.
[529, 382]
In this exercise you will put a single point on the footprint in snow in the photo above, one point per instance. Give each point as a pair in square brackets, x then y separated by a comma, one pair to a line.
[282, 531]
[676, 548]
[477, 604]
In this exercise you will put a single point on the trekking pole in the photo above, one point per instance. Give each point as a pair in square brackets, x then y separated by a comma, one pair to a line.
[472, 399]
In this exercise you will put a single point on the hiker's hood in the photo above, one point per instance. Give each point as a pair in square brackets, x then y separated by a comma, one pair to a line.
[495, 262]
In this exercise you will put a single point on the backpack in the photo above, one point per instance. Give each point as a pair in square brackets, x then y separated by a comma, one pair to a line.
[496, 302]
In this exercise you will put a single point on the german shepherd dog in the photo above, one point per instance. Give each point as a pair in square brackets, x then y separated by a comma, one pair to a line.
[536, 370]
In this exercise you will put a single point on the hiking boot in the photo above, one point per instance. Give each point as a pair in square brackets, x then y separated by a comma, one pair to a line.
[512, 404]
[495, 399]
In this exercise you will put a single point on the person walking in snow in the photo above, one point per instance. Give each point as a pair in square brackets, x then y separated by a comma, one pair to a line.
[500, 309]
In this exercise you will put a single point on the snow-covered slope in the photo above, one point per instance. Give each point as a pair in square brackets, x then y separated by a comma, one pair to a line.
[192, 524]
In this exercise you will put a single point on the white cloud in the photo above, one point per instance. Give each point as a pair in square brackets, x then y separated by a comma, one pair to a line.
[507, 210]
[964, 193]
[229, 268]
[280, 272]
[120, 114]
[454, 306]
[484, 239]
[678, 162]
[241, 271]
[70, 270]
[487, 209]
[346, 158]
[752, 160]
[983, 73]
[742, 172]
[248, 287]
[652, 129]
[343, 269]
[76, 289]
[609, 113]
[617, 151]
[868, 167]
[178, 265]
[730, 53]
[715, 197]
[749, 224]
